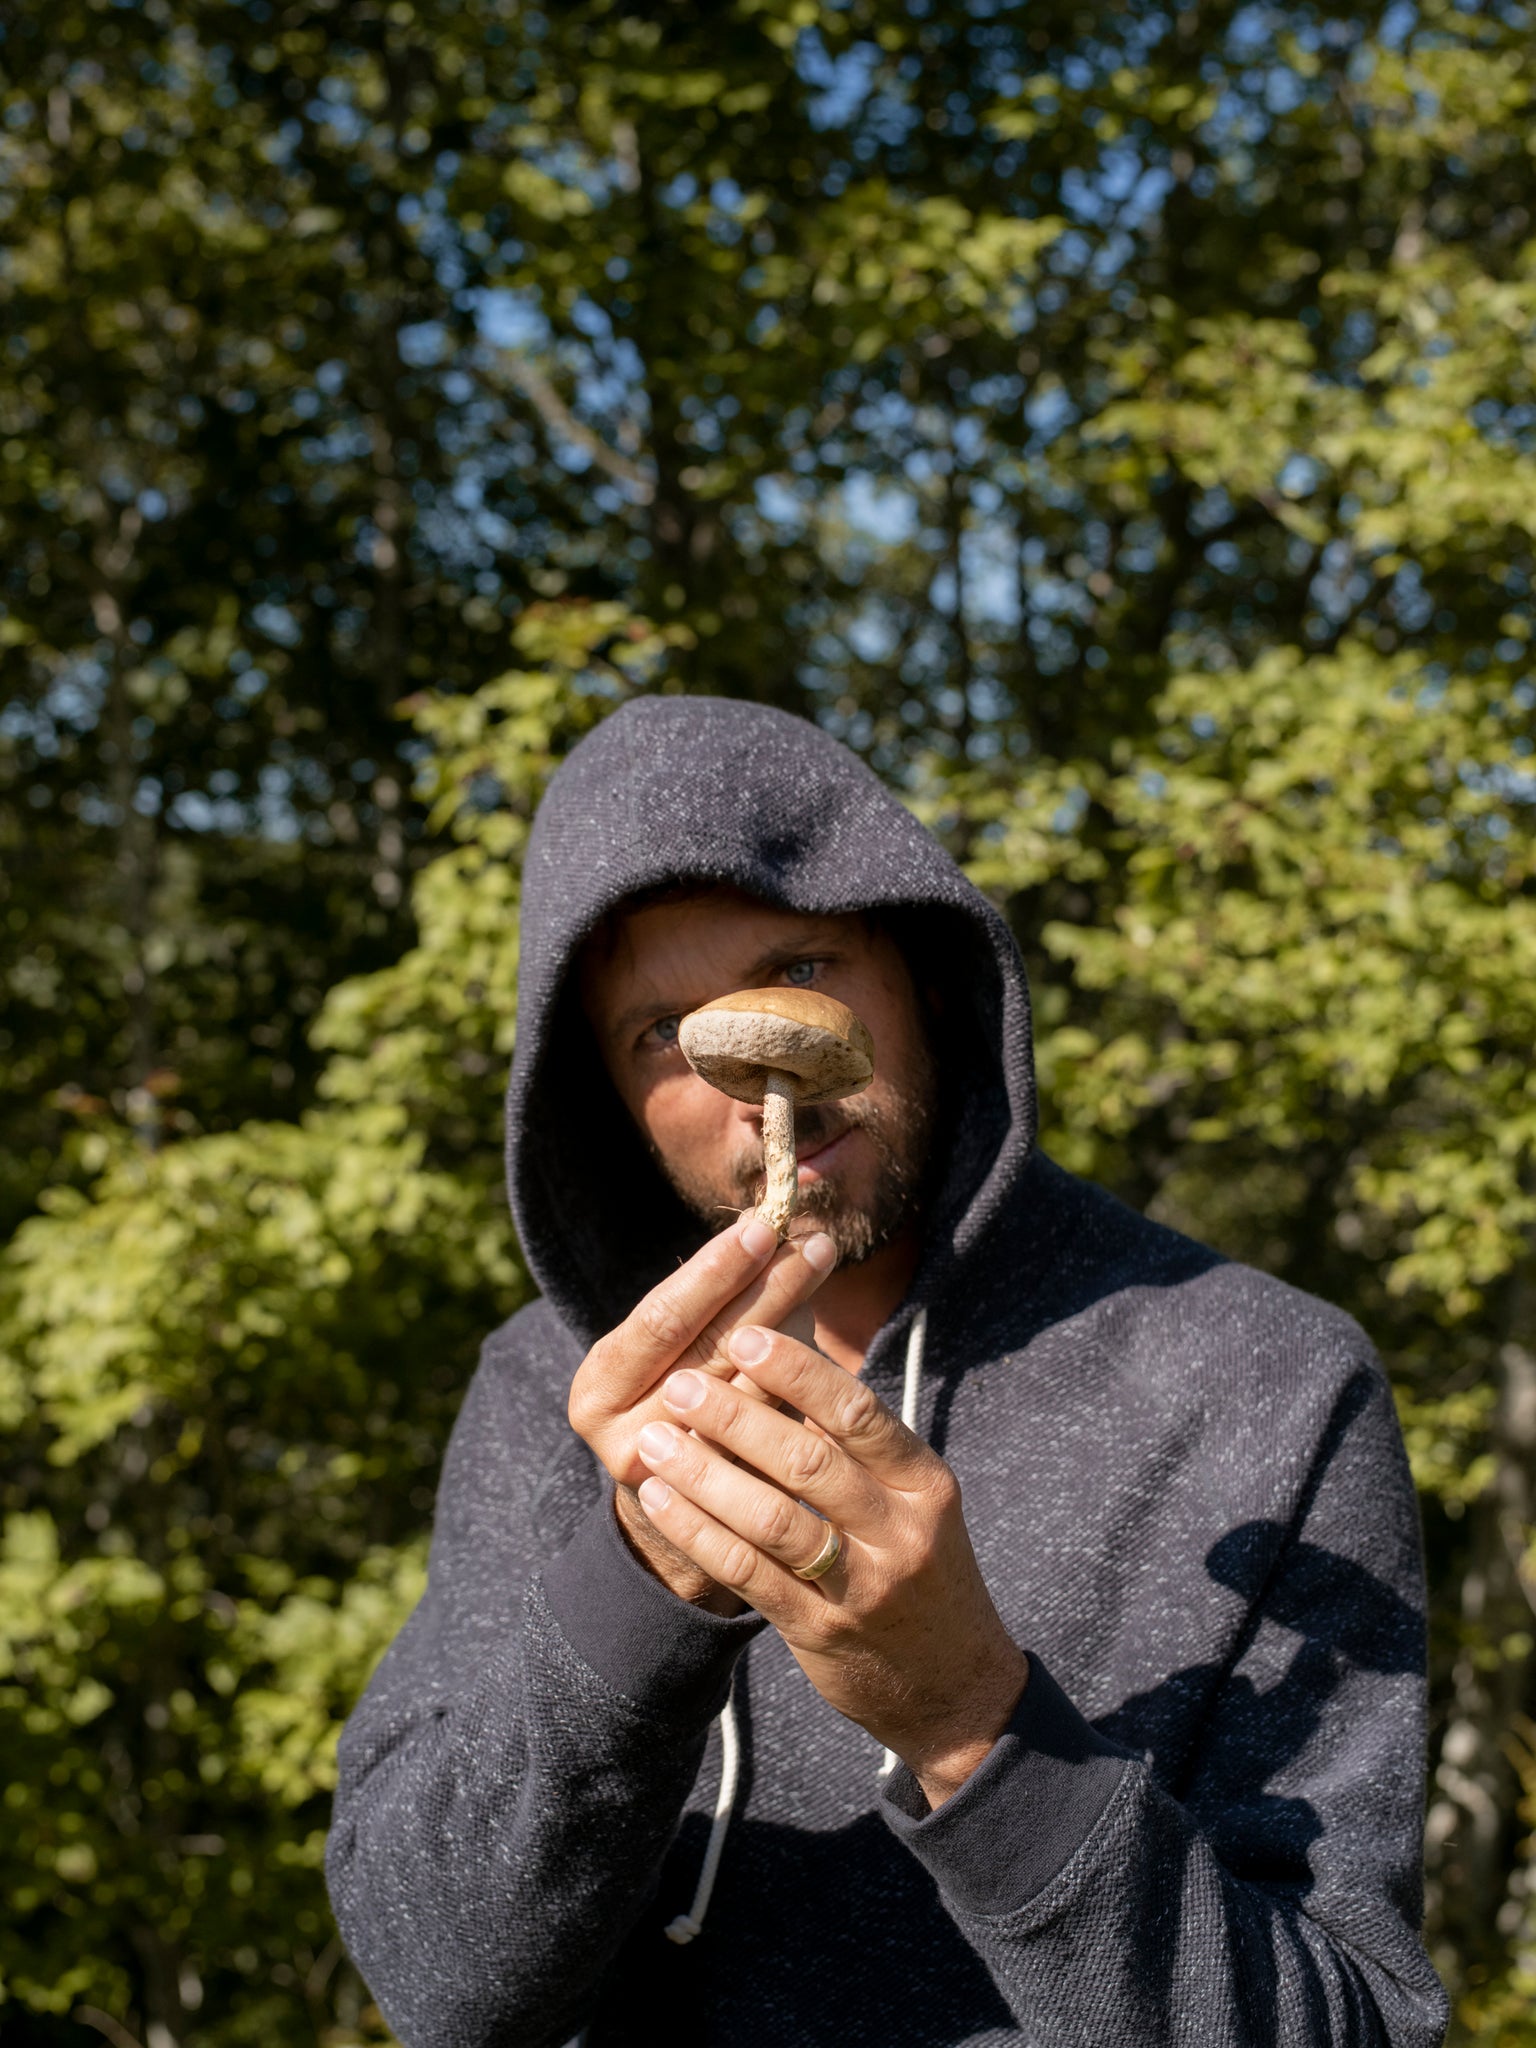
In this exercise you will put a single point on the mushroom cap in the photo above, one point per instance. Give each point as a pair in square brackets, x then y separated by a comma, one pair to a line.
[736, 1041]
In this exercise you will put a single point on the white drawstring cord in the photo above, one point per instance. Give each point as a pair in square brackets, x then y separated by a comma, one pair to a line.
[687, 1925]
[912, 1378]
[911, 1399]
[683, 1929]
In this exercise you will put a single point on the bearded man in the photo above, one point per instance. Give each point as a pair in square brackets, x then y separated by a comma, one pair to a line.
[1106, 1725]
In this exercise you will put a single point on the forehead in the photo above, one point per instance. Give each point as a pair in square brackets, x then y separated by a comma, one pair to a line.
[683, 951]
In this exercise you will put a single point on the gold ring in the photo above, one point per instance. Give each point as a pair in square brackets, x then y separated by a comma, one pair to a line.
[824, 1559]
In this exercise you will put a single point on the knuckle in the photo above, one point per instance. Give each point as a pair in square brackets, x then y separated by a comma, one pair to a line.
[708, 1347]
[800, 1370]
[944, 1488]
[660, 1321]
[808, 1460]
[860, 1411]
[829, 1626]
[776, 1521]
[686, 1463]
[738, 1562]
[730, 1418]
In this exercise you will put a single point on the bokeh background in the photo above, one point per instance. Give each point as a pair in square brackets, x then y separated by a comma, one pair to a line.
[1119, 424]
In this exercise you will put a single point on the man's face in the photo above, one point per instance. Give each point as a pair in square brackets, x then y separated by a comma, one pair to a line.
[862, 1159]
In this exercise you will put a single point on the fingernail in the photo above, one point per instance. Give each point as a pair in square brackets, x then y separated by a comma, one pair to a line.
[684, 1390]
[657, 1443]
[654, 1495]
[819, 1252]
[756, 1237]
[749, 1346]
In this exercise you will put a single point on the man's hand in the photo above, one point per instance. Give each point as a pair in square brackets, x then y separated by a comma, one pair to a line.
[743, 1275]
[901, 1635]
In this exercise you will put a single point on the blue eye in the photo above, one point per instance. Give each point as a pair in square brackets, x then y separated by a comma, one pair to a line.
[665, 1029]
[799, 972]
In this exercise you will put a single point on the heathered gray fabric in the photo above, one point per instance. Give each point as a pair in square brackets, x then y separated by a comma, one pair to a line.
[1186, 1489]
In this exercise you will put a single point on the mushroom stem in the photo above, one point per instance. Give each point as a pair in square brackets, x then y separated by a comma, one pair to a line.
[782, 1186]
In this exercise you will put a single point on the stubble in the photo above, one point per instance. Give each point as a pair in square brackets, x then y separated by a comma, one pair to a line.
[900, 1132]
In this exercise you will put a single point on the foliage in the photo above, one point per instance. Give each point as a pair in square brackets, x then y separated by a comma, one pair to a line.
[228, 1372]
[1118, 425]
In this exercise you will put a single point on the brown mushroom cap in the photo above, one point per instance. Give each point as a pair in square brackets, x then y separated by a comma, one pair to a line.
[737, 1040]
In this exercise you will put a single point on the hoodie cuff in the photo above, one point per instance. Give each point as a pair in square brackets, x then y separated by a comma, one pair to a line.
[635, 1633]
[1023, 1813]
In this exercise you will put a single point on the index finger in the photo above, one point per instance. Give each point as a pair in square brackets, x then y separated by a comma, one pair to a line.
[680, 1308]
[690, 1314]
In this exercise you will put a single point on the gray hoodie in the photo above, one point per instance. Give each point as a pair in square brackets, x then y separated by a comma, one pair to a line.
[1184, 1482]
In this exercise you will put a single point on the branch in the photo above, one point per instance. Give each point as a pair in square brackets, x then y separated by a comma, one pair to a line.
[103, 2023]
[556, 414]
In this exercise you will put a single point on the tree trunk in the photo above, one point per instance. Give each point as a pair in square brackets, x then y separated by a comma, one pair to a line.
[1478, 1886]
[136, 851]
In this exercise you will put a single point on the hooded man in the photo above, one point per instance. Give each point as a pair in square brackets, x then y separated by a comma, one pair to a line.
[987, 1617]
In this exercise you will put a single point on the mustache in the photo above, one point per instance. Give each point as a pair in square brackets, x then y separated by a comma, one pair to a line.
[816, 1125]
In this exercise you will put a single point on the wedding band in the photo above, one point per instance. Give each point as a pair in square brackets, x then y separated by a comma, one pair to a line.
[824, 1559]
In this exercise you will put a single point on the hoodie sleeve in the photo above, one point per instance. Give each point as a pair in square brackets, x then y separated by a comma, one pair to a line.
[514, 1774]
[1269, 1896]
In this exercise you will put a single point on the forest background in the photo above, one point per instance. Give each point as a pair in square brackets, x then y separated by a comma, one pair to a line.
[1118, 424]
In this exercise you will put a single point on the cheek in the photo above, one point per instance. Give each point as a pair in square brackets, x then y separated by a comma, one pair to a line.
[691, 1124]
[899, 1048]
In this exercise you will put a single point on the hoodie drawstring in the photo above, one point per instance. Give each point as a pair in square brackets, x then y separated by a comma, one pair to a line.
[912, 1377]
[683, 1929]
[911, 1395]
[687, 1925]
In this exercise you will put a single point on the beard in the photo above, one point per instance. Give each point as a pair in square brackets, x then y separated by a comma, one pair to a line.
[900, 1132]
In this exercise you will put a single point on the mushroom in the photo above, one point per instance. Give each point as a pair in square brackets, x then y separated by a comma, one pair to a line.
[779, 1047]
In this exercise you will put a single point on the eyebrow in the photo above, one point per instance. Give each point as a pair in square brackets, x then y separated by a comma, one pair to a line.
[768, 962]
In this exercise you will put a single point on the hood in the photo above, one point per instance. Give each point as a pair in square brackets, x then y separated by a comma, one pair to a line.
[709, 789]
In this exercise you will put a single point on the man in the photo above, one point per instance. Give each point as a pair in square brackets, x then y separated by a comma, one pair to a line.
[1105, 1725]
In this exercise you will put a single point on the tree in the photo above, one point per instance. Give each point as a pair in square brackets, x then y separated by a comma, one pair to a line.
[1295, 916]
[1116, 425]
[226, 1439]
